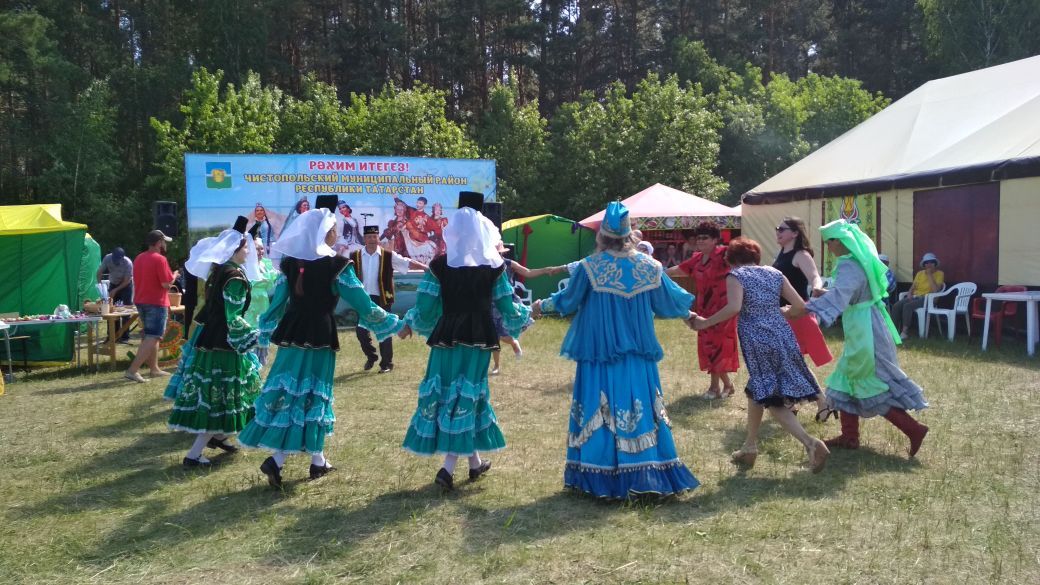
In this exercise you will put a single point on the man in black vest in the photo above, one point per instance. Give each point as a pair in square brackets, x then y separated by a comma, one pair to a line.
[375, 268]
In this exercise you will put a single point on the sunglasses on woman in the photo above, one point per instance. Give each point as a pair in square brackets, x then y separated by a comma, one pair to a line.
[783, 228]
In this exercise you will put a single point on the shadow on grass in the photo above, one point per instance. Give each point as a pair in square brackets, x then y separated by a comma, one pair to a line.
[127, 426]
[1012, 353]
[566, 511]
[683, 408]
[352, 376]
[138, 470]
[317, 531]
[103, 385]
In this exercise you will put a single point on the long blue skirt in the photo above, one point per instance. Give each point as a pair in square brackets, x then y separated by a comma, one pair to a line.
[620, 443]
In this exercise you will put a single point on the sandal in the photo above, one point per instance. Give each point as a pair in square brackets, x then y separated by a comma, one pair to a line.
[727, 391]
[818, 456]
[825, 413]
[711, 394]
[744, 457]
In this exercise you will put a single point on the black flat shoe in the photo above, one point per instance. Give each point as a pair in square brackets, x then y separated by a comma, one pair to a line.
[474, 474]
[273, 473]
[369, 364]
[215, 443]
[195, 463]
[444, 480]
[319, 471]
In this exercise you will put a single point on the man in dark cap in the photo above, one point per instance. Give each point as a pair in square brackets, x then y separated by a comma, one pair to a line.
[120, 272]
[152, 279]
[375, 268]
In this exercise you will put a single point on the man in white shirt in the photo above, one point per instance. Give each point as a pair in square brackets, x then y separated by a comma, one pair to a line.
[375, 267]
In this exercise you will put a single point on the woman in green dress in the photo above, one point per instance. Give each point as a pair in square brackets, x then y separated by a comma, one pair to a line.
[263, 287]
[454, 416]
[219, 377]
[294, 412]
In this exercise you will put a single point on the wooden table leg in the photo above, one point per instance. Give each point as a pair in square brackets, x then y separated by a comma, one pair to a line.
[112, 336]
[90, 346]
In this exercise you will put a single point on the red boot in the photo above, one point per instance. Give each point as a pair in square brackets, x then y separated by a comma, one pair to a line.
[849, 437]
[910, 427]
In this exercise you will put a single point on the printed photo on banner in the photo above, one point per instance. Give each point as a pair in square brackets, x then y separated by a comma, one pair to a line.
[409, 199]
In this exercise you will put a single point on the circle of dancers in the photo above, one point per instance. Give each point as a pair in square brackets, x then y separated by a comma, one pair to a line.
[619, 442]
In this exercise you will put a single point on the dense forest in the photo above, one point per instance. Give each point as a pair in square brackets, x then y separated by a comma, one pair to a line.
[578, 101]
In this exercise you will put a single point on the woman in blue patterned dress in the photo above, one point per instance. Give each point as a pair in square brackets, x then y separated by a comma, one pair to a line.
[777, 374]
[620, 444]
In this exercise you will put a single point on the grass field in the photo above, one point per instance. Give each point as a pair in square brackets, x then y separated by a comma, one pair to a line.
[92, 491]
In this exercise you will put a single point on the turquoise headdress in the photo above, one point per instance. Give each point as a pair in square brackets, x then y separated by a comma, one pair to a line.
[615, 222]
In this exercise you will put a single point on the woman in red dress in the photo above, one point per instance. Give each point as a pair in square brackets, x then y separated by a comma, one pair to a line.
[717, 345]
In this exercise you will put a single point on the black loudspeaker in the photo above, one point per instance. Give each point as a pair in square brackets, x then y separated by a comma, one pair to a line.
[165, 217]
[493, 211]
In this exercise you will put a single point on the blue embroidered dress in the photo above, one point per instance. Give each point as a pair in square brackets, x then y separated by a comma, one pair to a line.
[294, 412]
[620, 443]
[453, 311]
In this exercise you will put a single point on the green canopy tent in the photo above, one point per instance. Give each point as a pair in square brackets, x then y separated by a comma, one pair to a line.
[40, 258]
[547, 240]
[88, 268]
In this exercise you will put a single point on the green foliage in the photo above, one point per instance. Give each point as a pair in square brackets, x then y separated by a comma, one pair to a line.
[767, 127]
[317, 123]
[605, 150]
[514, 135]
[560, 94]
[409, 123]
[244, 120]
[970, 34]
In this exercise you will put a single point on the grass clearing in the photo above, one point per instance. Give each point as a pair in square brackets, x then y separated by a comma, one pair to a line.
[92, 489]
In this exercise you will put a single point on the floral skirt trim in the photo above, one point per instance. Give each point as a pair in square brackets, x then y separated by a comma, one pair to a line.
[454, 414]
[218, 393]
[627, 481]
[173, 389]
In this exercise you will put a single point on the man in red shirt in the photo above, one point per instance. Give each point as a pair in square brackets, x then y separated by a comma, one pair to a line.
[152, 280]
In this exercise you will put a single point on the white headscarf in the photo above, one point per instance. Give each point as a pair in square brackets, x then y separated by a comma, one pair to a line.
[471, 240]
[304, 239]
[218, 250]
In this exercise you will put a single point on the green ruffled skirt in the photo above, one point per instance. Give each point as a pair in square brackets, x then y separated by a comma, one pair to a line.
[294, 410]
[216, 393]
[454, 414]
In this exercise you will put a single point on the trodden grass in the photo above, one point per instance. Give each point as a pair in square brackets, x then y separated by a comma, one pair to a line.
[91, 488]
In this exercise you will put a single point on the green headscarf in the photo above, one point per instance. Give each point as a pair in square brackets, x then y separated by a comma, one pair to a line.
[863, 251]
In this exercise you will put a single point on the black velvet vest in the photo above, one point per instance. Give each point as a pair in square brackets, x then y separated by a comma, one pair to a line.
[466, 297]
[215, 331]
[308, 320]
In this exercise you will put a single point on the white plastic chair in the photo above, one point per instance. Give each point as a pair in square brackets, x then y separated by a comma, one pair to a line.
[526, 297]
[962, 292]
[562, 284]
[922, 313]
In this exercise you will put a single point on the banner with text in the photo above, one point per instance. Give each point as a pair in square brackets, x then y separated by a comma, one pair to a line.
[409, 199]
